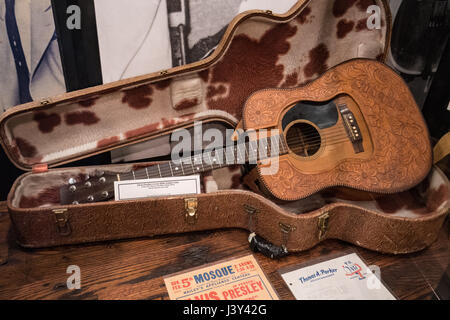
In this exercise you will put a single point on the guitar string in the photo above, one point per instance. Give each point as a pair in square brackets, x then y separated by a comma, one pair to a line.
[165, 172]
[211, 164]
[311, 139]
[314, 133]
[318, 141]
[327, 143]
[311, 131]
[293, 147]
[315, 139]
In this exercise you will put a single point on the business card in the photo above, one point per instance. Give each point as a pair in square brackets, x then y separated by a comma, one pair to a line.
[147, 188]
[343, 278]
[236, 279]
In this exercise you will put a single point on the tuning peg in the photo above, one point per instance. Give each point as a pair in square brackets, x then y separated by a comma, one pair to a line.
[90, 198]
[72, 188]
[88, 184]
[72, 181]
[102, 180]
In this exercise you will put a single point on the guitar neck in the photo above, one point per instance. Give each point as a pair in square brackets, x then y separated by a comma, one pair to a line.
[248, 152]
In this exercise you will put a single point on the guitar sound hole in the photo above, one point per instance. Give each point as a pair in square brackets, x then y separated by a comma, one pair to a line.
[303, 139]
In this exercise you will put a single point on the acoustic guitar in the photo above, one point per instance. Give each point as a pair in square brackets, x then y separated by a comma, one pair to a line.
[356, 126]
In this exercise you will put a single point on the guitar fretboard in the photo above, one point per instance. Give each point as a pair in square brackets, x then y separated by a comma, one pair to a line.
[241, 153]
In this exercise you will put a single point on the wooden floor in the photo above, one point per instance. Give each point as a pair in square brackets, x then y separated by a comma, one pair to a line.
[134, 269]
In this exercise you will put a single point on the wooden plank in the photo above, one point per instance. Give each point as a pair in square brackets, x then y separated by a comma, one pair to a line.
[134, 269]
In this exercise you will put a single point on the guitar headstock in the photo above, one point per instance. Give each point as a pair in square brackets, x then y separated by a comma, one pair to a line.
[91, 188]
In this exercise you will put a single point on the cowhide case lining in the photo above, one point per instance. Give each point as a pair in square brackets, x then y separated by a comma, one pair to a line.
[263, 51]
[258, 51]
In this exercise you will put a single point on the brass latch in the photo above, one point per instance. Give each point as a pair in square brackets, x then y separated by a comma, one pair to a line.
[286, 229]
[323, 225]
[190, 206]
[252, 218]
[62, 222]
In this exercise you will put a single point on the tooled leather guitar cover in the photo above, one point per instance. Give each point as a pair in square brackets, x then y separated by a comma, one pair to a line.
[402, 155]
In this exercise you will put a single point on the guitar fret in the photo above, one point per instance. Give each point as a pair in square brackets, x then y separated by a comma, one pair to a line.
[155, 173]
[177, 169]
[229, 155]
[159, 170]
[209, 157]
[240, 152]
[193, 171]
[253, 152]
[201, 162]
[182, 168]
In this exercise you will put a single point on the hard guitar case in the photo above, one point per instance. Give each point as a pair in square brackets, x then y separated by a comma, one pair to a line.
[259, 50]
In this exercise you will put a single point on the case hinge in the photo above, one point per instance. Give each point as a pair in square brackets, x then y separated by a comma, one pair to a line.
[191, 205]
[62, 222]
[323, 224]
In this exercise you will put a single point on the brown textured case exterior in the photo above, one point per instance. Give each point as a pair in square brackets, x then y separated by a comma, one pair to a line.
[39, 227]
[229, 209]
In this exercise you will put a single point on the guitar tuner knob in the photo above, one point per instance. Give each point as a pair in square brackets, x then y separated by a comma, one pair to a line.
[102, 180]
[88, 184]
[105, 194]
[75, 202]
[72, 188]
[87, 177]
[90, 198]
[72, 181]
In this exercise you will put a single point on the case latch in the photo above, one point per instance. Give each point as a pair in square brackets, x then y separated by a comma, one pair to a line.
[286, 230]
[190, 205]
[62, 222]
[323, 224]
[251, 212]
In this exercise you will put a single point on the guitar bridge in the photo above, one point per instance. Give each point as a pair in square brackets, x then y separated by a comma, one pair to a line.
[352, 128]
